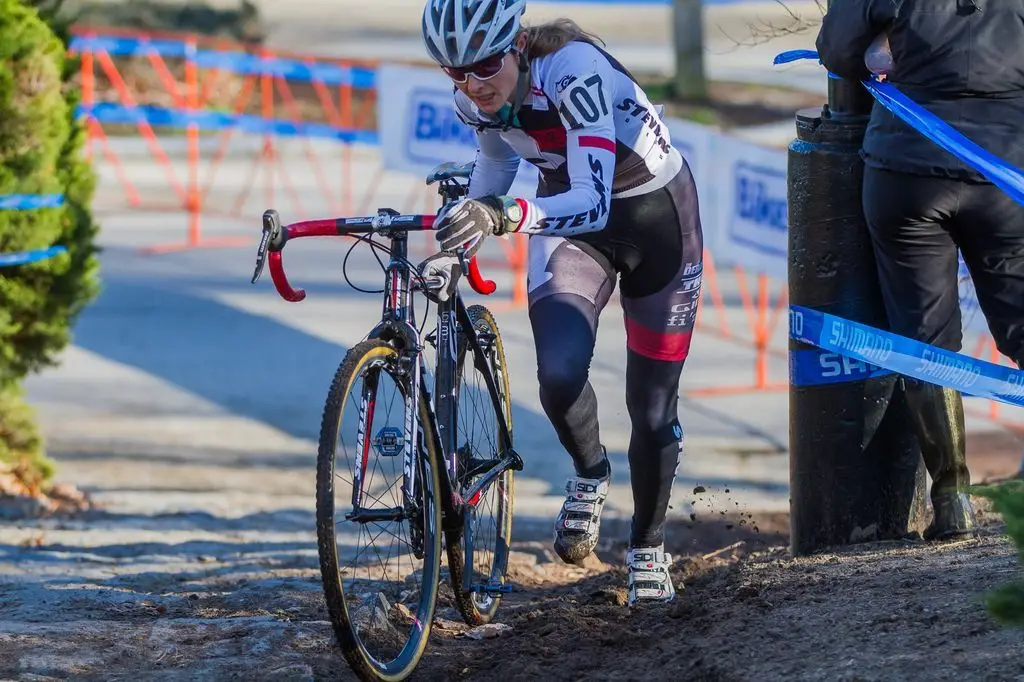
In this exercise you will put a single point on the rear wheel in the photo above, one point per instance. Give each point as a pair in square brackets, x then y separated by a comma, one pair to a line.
[380, 552]
[478, 551]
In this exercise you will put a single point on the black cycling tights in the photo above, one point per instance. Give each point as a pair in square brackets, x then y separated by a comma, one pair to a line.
[564, 328]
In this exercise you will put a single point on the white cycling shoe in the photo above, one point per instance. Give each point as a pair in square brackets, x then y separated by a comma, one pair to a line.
[579, 522]
[649, 578]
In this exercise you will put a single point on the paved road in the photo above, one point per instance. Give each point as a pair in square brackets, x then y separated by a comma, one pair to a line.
[181, 361]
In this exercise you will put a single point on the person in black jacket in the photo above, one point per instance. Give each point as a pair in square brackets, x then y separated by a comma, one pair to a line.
[963, 60]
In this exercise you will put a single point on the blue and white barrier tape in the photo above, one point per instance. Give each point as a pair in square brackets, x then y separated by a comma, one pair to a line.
[882, 349]
[851, 351]
[27, 202]
[1003, 175]
[108, 112]
[25, 257]
[235, 62]
[816, 367]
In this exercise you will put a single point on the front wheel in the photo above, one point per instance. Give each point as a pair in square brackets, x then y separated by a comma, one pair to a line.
[380, 549]
[478, 552]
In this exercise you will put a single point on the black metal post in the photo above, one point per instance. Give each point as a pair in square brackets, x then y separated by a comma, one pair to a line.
[855, 466]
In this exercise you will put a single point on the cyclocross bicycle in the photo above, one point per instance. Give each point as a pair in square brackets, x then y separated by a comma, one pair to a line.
[448, 449]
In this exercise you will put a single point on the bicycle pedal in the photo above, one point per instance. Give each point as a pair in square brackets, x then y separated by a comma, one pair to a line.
[490, 588]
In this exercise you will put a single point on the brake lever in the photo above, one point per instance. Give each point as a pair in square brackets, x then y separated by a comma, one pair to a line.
[271, 234]
[261, 255]
[460, 252]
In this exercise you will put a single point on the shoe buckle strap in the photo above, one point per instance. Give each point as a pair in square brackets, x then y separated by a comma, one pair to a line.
[645, 558]
[586, 489]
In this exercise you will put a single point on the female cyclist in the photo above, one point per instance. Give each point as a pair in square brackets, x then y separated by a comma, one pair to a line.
[615, 200]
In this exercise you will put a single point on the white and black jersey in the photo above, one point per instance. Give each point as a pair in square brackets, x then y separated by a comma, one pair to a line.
[590, 130]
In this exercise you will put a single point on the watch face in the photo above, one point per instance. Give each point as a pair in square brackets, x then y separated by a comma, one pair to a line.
[513, 212]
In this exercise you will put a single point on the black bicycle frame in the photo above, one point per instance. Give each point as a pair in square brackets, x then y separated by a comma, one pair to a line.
[398, 325]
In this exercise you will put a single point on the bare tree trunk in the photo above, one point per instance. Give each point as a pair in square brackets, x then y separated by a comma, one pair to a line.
[688, 23]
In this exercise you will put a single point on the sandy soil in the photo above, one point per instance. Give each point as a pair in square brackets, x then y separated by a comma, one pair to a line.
[251, 608]
[184, 569]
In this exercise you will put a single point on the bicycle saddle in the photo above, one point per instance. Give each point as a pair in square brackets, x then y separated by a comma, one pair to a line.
[449, 170]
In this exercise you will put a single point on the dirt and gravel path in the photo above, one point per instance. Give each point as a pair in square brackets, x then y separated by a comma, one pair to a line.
[202, 565]
[197, 597]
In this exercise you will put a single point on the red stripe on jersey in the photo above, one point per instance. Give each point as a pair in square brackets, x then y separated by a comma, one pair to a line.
[597, 143]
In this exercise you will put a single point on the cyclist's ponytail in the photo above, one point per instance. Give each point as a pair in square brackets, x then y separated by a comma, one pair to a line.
[552, 36]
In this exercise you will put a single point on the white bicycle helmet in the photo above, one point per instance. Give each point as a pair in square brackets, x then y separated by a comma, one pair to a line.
[461, 32]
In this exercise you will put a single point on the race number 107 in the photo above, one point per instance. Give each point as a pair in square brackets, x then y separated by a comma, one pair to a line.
[585, 103]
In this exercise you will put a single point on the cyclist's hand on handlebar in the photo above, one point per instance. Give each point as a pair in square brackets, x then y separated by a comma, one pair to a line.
[468, 222]
[443, 265]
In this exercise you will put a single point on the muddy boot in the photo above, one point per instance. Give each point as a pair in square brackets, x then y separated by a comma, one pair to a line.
[578, 525]
[938, 415]
[649, 578]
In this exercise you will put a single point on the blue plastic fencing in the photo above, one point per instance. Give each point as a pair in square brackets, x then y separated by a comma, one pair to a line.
[109, 112]
[28, 202]
[240, 63]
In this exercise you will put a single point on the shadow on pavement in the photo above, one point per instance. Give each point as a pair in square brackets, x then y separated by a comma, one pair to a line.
[251, 365]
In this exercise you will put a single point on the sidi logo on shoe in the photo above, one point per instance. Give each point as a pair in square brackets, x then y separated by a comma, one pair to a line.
[582, 487]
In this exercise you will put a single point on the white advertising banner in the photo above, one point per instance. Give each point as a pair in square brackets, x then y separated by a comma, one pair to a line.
[750, 206]
[970, 310]
[694, 142]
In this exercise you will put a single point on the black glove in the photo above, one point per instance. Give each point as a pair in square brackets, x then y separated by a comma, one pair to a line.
[468, 222]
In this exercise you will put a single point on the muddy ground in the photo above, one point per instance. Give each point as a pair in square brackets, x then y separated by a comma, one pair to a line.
[187, 569]
[163, 609]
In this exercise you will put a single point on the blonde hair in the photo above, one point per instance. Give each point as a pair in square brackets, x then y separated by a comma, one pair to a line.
[552, 36]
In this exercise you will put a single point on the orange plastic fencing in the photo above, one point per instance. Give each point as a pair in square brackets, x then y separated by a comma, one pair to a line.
[189, 87]
[305, 117]
[762, 315]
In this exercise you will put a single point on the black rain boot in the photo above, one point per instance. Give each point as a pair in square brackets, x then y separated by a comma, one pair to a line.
[938, 415]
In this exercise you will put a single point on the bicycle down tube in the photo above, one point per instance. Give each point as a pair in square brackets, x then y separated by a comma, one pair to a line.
[452, 314]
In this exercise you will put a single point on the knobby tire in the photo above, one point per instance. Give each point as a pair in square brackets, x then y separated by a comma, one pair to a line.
[428, 486]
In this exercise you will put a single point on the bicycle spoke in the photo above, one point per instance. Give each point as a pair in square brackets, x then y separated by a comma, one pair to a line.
[487, 526]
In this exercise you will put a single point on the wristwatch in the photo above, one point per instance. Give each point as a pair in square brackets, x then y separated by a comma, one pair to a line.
[512, 211]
